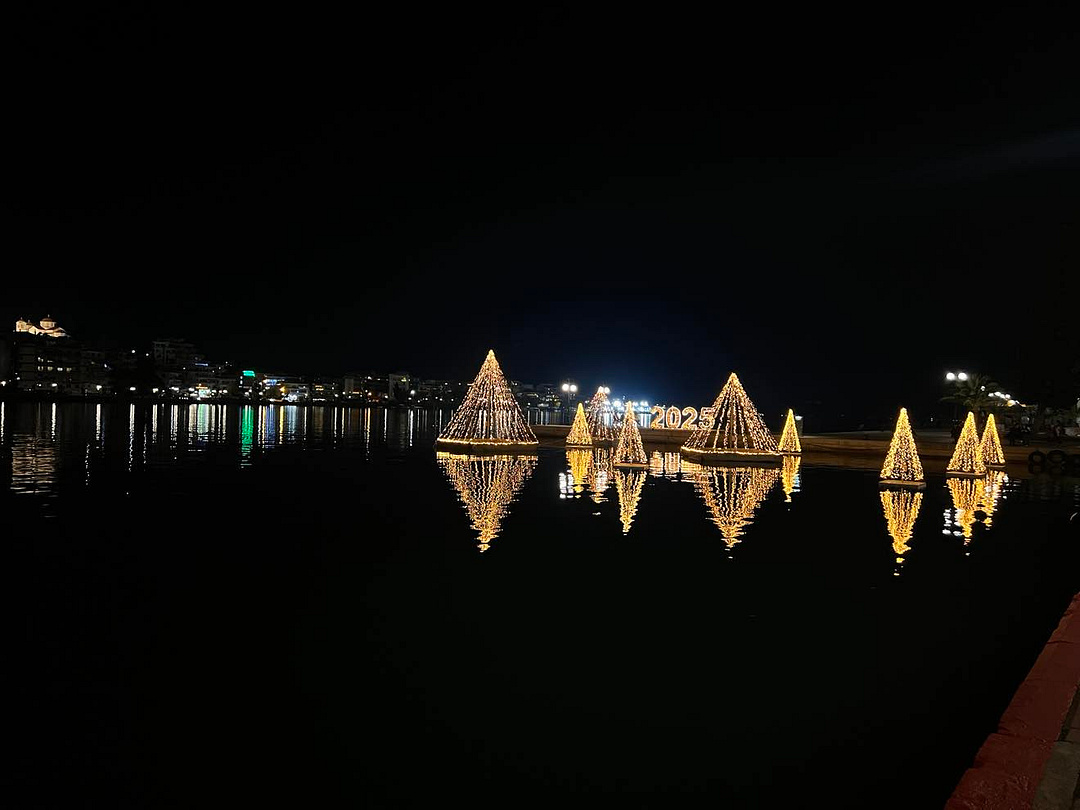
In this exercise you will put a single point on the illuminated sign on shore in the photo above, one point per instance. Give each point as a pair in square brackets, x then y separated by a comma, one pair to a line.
[673, 417]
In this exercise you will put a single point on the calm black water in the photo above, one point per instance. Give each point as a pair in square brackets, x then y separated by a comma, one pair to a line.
[225, 605]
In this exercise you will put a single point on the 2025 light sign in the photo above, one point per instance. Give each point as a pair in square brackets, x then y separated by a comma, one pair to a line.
[673, 417]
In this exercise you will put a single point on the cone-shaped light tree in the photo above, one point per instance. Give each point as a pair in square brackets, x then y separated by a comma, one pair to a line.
[489, 415]
[902, 465]
[789, 437]
[990, 445]
[486, 485]
[629, 452]
[580, 435]
[601, 417]
[736, 429]
[628, 485]
[967, 458]
[901, 509]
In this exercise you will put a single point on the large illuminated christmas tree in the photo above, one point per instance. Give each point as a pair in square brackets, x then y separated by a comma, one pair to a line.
[629, 452]
[489, 415]
[990, 445]
[967, 458]
[789, 437]
[901, 508]
[902, 465]
[732, 494]
[486, 485]
[628, 485]
[737, 431]
[579, 435]
[600, 416]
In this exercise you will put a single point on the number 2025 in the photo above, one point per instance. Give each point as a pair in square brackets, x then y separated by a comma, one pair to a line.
[673, 417]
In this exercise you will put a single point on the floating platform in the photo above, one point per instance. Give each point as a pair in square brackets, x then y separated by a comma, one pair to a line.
[485, 447]
[731, 457]
[957, 474]
[632, 464]
[579, 446]
[891, 483]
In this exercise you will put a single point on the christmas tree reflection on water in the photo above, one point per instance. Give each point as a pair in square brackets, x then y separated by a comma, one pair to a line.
[901, 507]
[573, 482]
[628, 484]
[486, 486]
[732, 494]
[601, 474]
[993, 491]
[665, 465]
[789, 475]
[966, 494]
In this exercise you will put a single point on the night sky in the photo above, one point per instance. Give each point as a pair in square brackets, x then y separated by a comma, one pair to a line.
[839, 208]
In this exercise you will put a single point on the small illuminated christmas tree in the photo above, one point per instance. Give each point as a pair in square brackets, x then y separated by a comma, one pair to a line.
[486, 485]
[489, 415]
[629, 452]
[737, 431]
[789, 437]
[967, 457]
[990, 445]
[901, 509]
[628, 485]
[789, 475]
[579, 432]
[902, 465]
[600, 416]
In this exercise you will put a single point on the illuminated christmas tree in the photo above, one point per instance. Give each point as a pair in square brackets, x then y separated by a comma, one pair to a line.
[966, 494]
[967, 457]
[901, 509]
[486, 485]
[992, 491]
[629, 452]
[902, 465]
[581, 462]
[737, 431]
[489, 415]
[579, 435]
[789, 475]
[789, 437]
[600, 416]
[732, 494]
[990, 445]
[628, 485]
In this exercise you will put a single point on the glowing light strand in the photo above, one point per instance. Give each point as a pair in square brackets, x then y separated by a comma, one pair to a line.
[990, 444]
[992, 490]
[489, 414]
[600, 416]
[628, 485]
[967, 457]
[601, 476]
[737, 427]
[789, 437]
[579, 435]
[581, 462]
[486, 485]
[902, 464]
[629, 450]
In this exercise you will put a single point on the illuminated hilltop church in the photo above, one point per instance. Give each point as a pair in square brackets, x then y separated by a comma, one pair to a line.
[46, 326]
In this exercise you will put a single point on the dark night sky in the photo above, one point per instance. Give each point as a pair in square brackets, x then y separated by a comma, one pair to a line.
[823, 204]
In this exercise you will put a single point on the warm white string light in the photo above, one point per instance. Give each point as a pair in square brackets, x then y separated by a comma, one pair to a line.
[737, 428]
[489, 415]
[486, 485]
[579, 435]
